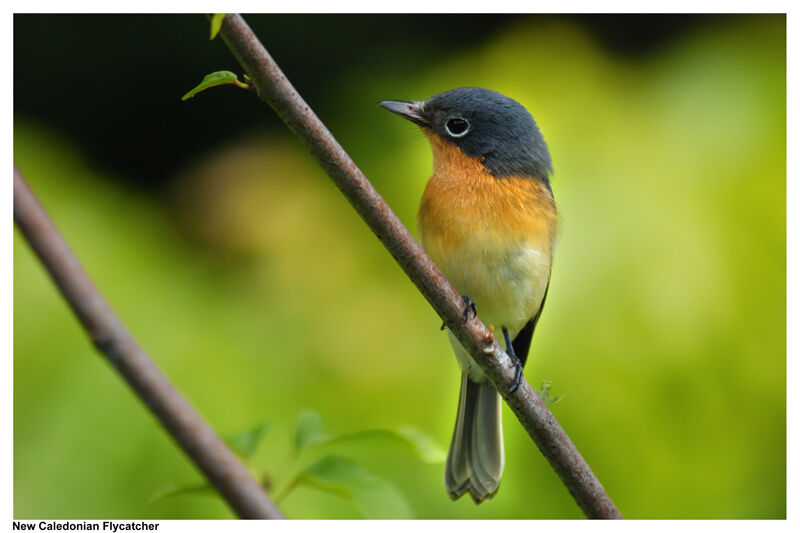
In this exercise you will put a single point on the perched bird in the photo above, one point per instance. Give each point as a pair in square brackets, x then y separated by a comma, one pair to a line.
[488, 220]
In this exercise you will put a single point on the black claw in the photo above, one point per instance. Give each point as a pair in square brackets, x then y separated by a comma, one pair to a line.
[469, 305]
[517, 378]
[517, 363]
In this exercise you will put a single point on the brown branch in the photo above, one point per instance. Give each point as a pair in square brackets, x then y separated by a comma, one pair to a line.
[275, 89]
[198, 440]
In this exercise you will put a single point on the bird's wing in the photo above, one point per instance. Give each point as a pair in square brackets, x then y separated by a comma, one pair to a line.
[522, 342]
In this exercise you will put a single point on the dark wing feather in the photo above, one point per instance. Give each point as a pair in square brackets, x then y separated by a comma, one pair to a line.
[522, 343]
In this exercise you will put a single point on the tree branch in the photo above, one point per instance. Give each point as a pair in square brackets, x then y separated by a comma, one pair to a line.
[198, 440]
[275, 89]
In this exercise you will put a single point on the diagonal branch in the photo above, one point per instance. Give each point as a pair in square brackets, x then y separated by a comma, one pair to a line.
[275, 89]
[198, 440]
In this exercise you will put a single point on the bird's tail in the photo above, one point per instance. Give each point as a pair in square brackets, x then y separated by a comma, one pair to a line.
[475, 459]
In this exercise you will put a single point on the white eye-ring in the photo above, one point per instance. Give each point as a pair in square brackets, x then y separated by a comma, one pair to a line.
[457, 127]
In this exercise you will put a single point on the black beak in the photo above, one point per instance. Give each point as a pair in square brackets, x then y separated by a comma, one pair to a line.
[407, 110]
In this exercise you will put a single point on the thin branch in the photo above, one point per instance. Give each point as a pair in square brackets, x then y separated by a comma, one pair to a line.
[198, 440]
[275, 89]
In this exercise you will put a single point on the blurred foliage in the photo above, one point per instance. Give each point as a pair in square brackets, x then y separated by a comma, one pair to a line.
[261, 294]
[315, 463]
[544, 394]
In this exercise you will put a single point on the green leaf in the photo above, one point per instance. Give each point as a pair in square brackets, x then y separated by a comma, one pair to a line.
[246, 442]
[313, 443]
[544, 394]
[372, 496]
[216, 24]
[423, 446]
[426, 448]
[221, 77]
[310, 431]
[180, 490]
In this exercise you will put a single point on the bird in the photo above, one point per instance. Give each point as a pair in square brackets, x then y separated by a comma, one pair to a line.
[488, 220]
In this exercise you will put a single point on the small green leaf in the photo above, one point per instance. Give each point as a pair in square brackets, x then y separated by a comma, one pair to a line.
[373, 496]
[426, 448]
[180, 490]
[216, 24]
[544, 394]
[423, 446]
[221, 77]
[310, 430]
[246, 442]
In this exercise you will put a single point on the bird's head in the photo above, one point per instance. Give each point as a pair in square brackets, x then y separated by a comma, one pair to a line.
[484, 125]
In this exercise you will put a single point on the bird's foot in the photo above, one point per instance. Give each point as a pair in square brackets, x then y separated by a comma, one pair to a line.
[517, 377]
[517, 363]
[469, 307]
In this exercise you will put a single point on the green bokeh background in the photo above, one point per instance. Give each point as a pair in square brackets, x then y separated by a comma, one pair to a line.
[260, 293]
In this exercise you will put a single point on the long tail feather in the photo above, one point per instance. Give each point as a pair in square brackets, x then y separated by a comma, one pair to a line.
[475, 460]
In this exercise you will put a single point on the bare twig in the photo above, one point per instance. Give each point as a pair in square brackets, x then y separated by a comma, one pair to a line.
[198, 440]
[275, 89]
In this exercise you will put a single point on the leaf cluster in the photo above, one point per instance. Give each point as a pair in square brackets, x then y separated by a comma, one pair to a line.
[322, 461]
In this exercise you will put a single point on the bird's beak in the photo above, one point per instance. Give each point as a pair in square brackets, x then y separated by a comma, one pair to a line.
[407, 110]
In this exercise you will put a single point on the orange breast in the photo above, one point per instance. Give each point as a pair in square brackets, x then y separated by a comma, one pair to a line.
[463, 200]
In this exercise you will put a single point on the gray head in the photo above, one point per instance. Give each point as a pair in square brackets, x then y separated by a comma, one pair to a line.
[483, 124]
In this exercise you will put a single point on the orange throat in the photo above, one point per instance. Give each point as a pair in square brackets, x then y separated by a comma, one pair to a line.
[462, 200]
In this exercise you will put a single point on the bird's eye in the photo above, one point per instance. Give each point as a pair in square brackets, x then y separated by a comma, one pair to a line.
[457, 127]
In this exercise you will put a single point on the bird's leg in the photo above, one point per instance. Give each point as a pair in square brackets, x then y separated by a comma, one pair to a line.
[515, 359]
[469, 307]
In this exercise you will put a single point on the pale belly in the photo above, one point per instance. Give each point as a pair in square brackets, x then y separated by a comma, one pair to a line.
[507, 282]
